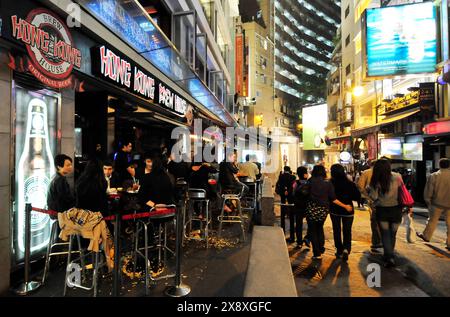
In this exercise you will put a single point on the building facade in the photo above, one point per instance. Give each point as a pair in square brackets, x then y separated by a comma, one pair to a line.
[386, 111]
[101, 72]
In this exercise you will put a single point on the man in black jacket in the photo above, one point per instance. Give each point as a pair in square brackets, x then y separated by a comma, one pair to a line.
[60, 197]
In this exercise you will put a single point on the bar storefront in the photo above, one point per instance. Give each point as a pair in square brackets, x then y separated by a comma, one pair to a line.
[65, 90]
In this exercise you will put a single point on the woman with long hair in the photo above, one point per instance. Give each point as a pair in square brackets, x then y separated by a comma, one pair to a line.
[383, 190]
[322, 194]
[156, 187]
[347, 192]
[91, 187]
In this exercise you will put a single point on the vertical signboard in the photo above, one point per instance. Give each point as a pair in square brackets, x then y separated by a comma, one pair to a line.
[35, 128]
[239, 63]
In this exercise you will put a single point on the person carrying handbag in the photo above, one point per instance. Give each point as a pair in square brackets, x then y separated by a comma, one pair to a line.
[318, 207]
[389, 195]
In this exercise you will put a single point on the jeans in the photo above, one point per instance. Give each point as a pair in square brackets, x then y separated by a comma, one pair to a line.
[317, 236]
[376, 235]
[389, 220]
[299, 216]
[342, 233]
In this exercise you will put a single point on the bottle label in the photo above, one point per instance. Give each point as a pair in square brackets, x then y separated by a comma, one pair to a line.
[35, 192]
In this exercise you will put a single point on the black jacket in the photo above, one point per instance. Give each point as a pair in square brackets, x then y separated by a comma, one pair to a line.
[285, 184]
[157, 187]
[346, 192]
[60, 197]
[122, 161]
[227, 170]
[322, 191]
[91, 195]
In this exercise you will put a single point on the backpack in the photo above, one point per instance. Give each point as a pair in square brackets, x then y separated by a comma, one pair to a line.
[301, 194]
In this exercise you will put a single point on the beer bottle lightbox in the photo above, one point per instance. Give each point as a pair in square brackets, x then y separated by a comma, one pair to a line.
[34, 170]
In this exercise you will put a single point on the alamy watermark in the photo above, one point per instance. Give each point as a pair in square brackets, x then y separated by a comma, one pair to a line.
[374, 278]
[73, 275]
[193, 148]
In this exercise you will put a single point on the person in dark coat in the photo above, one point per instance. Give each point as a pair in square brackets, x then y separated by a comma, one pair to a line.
[156, 186]
[60, 197]
[111, 177]
[285, 185]
[322, 195]
[90, 189]
[346, 192]
[122, 160]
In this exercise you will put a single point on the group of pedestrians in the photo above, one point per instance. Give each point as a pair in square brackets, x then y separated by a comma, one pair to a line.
[317, 196]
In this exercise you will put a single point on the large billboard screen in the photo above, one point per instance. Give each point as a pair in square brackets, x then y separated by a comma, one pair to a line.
[401, 40]
[315, 120]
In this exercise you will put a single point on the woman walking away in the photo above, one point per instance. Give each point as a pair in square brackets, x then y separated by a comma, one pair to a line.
[346, 191]
[383, 190]
[321, 195]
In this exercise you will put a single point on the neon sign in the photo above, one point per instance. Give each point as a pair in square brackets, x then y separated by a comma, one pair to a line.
[49, 45]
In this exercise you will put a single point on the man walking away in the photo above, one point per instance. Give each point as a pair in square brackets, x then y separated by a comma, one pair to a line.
[437, 197]
[286, 182]
[363, 183]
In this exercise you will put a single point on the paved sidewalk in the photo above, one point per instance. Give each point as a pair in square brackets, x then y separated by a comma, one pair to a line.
[422, 270]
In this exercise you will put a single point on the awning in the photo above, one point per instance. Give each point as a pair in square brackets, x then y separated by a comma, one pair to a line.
[376, 127]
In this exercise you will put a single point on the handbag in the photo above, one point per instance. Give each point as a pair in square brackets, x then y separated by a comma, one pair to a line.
[316, 212]
[404, 196]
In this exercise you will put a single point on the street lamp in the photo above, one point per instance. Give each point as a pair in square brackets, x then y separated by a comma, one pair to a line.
[358, 91]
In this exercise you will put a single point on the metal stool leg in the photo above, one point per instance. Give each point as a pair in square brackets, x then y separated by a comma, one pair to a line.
[207, 224]
[221, 217]
[83, 264]
[241, 219]
[95, 275]
[136, 248]
[69, 257]
[146, 260]
[49, 249]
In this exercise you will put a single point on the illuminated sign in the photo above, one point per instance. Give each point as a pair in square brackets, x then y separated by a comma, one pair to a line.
[440, 127]
[413, 151]
[391, 147]
[401, 40]
[122, 72]
[49, 45]
[315, 120]
[36, 116]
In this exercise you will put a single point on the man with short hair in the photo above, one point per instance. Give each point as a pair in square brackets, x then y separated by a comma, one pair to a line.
[122, 161]
[60, 197]
[110, 175]
[437, 197]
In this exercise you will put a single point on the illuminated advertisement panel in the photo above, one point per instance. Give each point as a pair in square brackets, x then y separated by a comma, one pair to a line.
[401, 40]
[413, 151]
[315, 120]
[35, 146]
[391, 148]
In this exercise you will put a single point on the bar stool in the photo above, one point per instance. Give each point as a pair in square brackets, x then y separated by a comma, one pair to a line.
[198, 195]
[231, 218]
[96, 266]
[251, 197]
[51, 245]
[162, 214]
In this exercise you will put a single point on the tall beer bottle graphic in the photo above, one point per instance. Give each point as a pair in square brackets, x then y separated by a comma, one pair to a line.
[34, 170]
